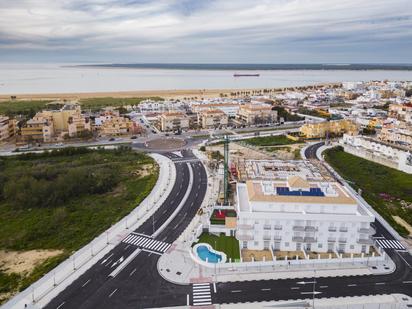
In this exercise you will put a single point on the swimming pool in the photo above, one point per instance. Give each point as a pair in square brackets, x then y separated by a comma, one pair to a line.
[207, 254]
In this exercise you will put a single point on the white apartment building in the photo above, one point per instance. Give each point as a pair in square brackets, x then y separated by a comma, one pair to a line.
[374, 150]
[296, 214]
[230, 109]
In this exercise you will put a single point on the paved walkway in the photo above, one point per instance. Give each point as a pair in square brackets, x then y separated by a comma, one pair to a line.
[52, 283]
[178, 266]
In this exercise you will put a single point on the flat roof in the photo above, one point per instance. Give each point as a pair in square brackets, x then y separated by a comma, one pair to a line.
[255, 192]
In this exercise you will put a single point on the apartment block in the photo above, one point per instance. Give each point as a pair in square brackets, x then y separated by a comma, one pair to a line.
[253, 114]
[213, 118]
[173, 121]
[295, 214]
[7, 128]
[382, 153]
[333, 127]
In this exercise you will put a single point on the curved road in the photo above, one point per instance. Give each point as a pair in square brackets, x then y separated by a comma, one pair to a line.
[139, 284]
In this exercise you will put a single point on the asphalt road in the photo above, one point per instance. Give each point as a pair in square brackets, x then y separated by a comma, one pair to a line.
[139, 285]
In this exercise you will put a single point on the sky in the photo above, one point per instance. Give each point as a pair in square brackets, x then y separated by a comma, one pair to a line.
[202, 31]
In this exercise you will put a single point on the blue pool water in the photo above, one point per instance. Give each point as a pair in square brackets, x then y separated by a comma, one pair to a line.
[204, 253]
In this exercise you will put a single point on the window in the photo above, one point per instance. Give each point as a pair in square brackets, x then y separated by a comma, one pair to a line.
[319, 245]
[256, 243]
[352, 247]
[286, 244]
[244, 245]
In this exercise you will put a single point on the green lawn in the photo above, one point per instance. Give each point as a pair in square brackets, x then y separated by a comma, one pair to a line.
[227, 244]
[382, 187]
[30, 107]
[63, 199]
[269, 141]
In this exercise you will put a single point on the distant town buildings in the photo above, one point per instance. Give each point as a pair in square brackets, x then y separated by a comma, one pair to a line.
[374, 150]
[7, 128]
[174, 121]
[331, 128]
[212, 119]
[253, 114]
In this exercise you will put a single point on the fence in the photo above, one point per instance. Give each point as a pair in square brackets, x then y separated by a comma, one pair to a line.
[70, 269]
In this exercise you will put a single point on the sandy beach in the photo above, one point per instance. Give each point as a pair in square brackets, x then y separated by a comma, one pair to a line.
[205, 93]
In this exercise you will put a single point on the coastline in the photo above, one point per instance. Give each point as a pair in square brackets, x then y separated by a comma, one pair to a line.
[166, 94]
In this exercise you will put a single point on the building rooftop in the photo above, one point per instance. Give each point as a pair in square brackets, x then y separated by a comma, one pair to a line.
[280, 192]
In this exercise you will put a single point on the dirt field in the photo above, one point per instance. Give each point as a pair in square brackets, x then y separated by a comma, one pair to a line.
[24, 262]
[256, 254]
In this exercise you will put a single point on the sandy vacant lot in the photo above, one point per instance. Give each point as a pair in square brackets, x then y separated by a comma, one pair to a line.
[24, 261]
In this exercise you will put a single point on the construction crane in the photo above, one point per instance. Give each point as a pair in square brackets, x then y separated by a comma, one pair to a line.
[225, 170]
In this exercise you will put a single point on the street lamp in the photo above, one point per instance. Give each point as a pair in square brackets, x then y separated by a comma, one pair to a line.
[314, 286]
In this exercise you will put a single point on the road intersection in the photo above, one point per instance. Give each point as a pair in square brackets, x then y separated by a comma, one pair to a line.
[139, 285]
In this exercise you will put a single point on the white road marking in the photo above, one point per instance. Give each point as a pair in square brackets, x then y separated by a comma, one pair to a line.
[132, 272]
[295, 288]
[187, 300]
[61, 305]
[352, 284]
[105, 260]
[236, 291]
[265, 289]
[84, 284]
[323, 286]
[380, 283]
[406, 281]
[214, 287]
[111, 294]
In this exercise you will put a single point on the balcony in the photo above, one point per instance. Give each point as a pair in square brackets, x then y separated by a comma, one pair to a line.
[332, 229]
[365, 241]
[298, 228]
[244, 237]
[266, 237]
[297, 238]
[343, 229]
[309, 239]
[267, 227]
[310, 229]
[277, 238]
[368, 230]
[245, 227]
[331, 239]
[342, 240]
[277, 227]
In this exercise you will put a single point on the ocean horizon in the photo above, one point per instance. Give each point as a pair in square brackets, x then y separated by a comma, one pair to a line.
[80, 78]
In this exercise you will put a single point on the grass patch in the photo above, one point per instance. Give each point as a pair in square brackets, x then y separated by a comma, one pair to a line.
[383, 188]
[269, 141]
[96, 104]
[42, 207]
[21, 107]
[30, 107]
[227, 244]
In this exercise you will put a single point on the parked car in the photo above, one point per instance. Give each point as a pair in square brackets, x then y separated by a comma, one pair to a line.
[133, 137]
[112, 139]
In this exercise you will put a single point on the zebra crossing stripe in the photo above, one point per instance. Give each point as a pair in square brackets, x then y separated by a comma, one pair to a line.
[390, 244]
[201, 294]
[146, 243]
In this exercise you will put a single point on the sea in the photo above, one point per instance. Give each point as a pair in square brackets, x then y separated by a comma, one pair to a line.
[76, 78]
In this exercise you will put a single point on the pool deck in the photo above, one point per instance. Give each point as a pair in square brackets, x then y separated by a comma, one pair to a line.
[177, 266]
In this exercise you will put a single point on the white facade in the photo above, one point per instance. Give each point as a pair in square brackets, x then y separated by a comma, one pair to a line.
[333, 221]
[378, 152]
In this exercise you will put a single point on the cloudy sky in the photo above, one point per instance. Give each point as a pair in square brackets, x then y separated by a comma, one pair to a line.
[234, 31]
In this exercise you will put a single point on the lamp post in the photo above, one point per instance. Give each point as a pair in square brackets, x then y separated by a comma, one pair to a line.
[314, 286]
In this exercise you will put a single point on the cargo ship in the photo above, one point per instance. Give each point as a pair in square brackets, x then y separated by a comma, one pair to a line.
[244, 75]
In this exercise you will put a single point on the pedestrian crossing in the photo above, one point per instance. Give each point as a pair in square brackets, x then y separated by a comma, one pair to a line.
[390, 244]
[201, 294]
[146, 243]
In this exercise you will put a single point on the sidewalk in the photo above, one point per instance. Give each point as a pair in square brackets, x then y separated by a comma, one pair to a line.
[178, 266]
[51, 284]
